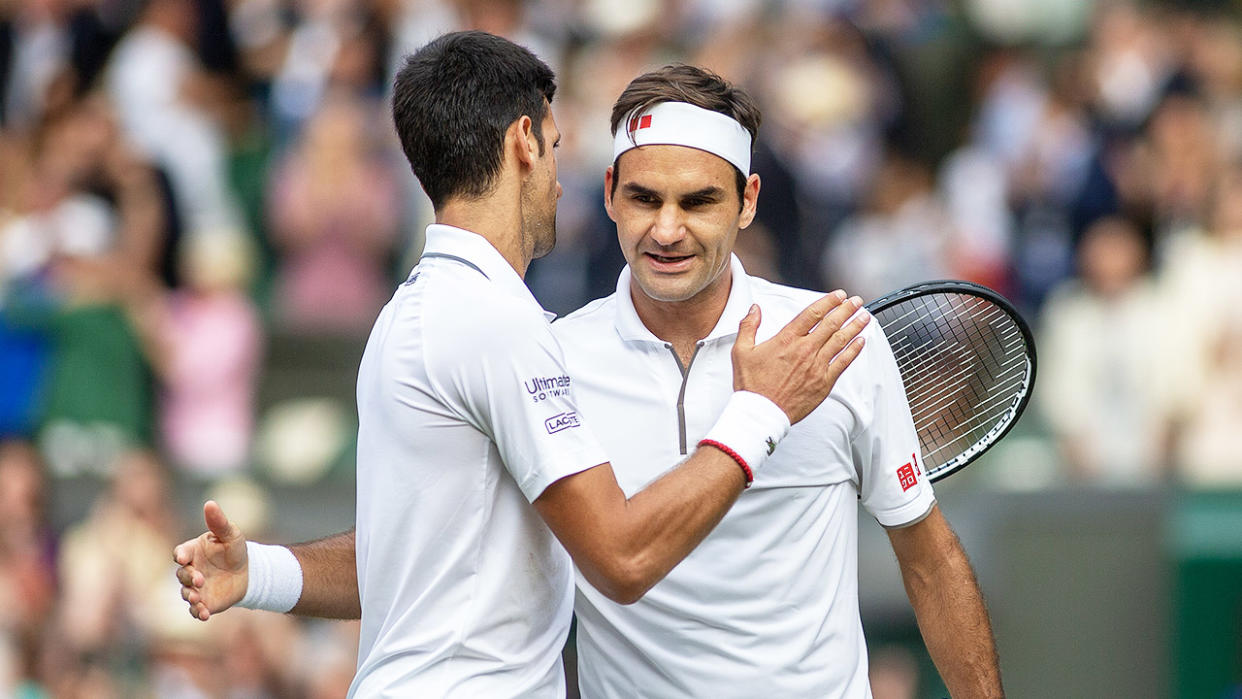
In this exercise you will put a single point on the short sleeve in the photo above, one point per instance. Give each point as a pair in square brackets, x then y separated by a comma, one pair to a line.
[885, 447]
[510, 381]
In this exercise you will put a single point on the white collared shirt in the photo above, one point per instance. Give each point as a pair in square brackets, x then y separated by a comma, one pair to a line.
[767, 605]
[466, 414]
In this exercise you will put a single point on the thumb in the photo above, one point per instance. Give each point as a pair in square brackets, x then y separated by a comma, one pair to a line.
[747, 329]
[218, 524]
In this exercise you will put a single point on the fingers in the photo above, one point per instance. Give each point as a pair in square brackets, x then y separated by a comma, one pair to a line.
[837, 318]
[199, 611]
[814, 313]
[184, 553]
[747, 329]
[846, 338]
[217, 523]
[190, 577]
[191, 581]
[845, 357]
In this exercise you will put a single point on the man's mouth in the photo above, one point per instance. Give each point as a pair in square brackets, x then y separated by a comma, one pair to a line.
[668, 259]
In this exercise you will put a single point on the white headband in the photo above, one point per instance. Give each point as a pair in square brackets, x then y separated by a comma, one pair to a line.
[682, 124]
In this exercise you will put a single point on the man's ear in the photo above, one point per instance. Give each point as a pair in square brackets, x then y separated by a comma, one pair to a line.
[520, 140]
[608, 193]
[750, 201]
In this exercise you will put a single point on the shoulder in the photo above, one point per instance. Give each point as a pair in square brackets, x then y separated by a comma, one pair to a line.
[468, 311]
[585, 322]
[779, 303]
[874, 366]
[781, 298]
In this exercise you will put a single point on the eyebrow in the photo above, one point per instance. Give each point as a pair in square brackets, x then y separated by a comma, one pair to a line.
[712, 192]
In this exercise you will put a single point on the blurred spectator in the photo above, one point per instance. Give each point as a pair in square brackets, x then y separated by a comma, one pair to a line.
[1100, 359]
[1130, 62]
[204, 342]
[115, 565]
[165, 105]
[902, 238]
[1215, 60]
[50, 52]
[27, 567]
[1207, 454]
[23, 350]
[334, 47]
[975, 193]
[1202, 273]
[827, 104]
[1185, 162]
[1033, 132]
[334, 214]
[89, 222]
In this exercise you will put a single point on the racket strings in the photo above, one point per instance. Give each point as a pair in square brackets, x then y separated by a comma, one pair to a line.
[964, 364]
[926, 407]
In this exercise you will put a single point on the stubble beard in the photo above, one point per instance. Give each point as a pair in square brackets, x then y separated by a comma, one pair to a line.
[544, 236]
[539, 225]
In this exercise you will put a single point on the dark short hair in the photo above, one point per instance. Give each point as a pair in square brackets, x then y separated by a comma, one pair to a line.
[698, 86]
[454, 99]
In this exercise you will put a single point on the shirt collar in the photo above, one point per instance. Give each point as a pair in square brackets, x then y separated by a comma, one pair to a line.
[631, 327]
[478, 252]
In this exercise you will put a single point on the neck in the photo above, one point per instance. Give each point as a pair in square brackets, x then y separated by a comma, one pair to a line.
[684, 323]
[495, 217]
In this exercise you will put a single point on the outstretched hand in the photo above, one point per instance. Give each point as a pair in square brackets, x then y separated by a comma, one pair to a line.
[798, 366]
[213, 568]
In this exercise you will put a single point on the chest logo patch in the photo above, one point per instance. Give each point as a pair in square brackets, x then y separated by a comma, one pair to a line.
[541, 388]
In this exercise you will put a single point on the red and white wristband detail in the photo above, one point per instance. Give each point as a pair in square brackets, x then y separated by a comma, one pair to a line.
[275, 578]
[748, 430]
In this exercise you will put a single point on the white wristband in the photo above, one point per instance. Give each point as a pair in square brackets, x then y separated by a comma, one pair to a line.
[275, 582]
[751, 425]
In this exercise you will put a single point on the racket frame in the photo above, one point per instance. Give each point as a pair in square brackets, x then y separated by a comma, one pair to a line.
[957, 286]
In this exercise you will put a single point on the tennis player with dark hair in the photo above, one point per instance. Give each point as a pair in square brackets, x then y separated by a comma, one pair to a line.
[479, 482]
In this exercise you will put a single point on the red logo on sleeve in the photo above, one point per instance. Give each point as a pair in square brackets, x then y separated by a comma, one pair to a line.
[907, 476]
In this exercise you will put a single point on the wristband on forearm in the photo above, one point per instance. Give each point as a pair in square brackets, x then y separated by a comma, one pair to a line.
[748, 430]
[275, 580]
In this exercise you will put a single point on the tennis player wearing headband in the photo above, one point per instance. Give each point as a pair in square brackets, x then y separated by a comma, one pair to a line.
[656, 352]
[768, 603]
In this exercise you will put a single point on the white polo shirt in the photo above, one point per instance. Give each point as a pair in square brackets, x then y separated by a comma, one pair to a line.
[767, 605]
[466, 413]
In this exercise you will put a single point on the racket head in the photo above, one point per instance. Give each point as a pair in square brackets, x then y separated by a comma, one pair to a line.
[967, 362]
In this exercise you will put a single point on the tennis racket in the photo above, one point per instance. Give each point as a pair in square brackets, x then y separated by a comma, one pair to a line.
[967, 360]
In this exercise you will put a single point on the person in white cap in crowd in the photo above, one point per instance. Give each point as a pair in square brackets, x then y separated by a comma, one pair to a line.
[768, 603]
[480, 485]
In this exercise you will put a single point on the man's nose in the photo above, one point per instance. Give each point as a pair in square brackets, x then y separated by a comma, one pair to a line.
[669, 226]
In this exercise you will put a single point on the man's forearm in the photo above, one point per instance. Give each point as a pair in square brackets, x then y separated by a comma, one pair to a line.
[329, 578]
[950, 609]
[624, 546]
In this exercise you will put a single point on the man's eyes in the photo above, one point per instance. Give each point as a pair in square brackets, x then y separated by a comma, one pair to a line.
[690, 203]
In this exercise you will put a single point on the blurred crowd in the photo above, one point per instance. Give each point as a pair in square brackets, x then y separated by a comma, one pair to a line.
[187, 184]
